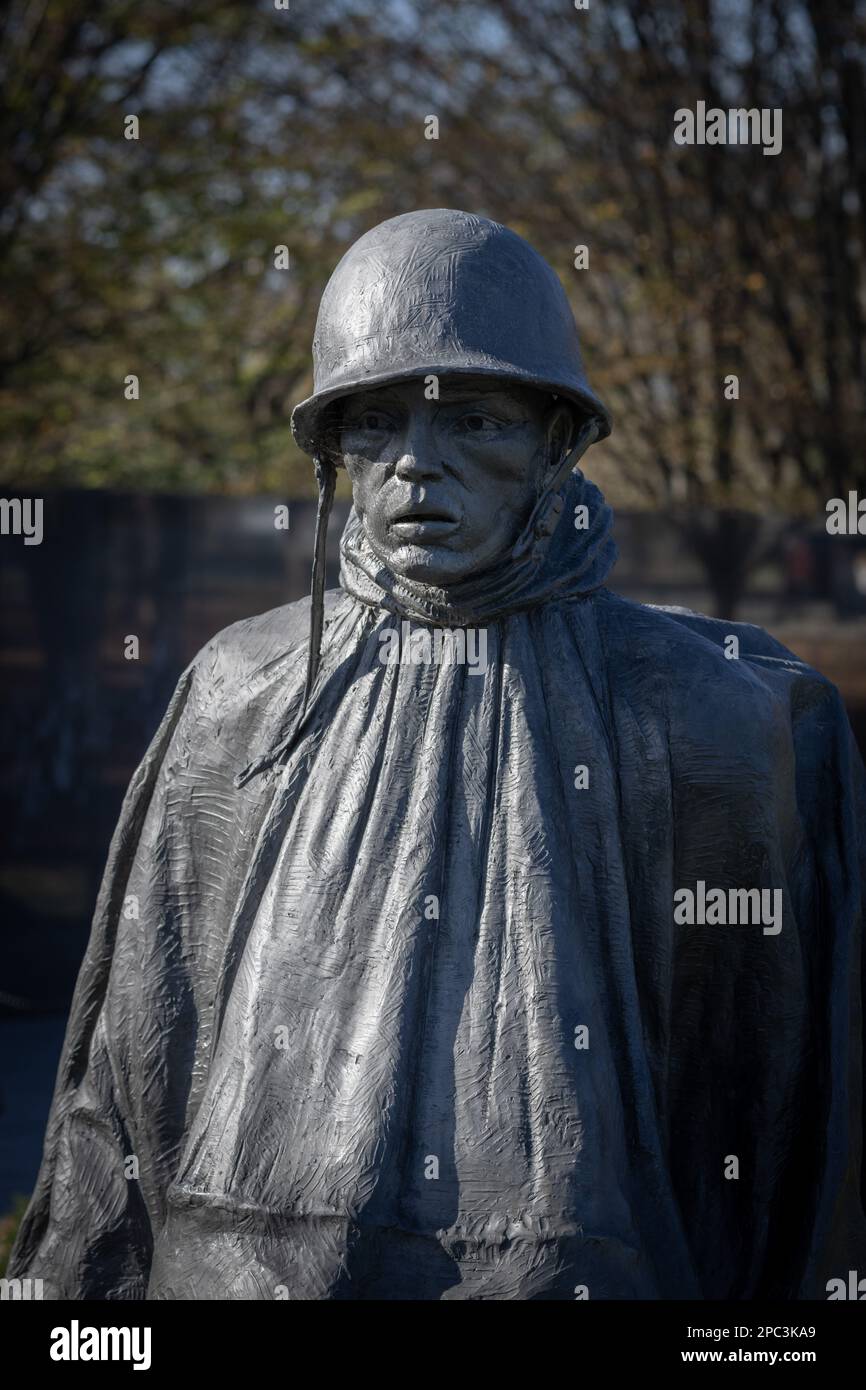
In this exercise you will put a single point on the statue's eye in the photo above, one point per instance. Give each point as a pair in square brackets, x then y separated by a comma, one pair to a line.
[373, 420]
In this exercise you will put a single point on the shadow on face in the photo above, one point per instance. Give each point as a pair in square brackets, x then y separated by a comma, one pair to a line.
[444, 486]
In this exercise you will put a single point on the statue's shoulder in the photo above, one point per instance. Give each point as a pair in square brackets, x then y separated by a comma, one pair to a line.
[240, 655]
[732, 668]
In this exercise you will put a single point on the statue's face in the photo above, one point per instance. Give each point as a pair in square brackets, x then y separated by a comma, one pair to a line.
[443, 488]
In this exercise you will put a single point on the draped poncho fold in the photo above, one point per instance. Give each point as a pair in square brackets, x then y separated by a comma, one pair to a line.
[390, 1001]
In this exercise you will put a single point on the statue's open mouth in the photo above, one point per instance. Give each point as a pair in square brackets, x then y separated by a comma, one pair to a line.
[423, 524]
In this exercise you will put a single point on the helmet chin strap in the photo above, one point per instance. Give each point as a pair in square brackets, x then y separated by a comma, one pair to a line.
[326, 477]
[545, 513]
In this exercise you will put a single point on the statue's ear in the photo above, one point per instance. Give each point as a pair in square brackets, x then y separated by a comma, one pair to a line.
[563, 430]
[569, 435]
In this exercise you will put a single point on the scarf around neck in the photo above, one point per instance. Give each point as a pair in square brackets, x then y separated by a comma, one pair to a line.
[566, 550]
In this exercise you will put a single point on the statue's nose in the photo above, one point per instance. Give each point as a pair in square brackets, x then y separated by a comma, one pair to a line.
[419, 456]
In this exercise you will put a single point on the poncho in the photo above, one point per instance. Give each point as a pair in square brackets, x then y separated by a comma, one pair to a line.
[392, 1003]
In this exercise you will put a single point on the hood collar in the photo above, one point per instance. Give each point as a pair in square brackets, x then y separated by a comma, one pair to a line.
[552, 558]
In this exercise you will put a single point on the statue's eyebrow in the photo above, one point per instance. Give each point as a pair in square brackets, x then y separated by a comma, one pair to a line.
[502, 400]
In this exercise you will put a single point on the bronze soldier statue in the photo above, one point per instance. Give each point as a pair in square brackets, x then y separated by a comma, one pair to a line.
[387, 996]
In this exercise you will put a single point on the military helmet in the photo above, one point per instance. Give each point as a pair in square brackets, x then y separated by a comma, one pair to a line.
[438, 292]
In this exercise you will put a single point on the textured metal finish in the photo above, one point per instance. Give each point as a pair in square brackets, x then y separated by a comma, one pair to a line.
[386, 1002]
[438, 292]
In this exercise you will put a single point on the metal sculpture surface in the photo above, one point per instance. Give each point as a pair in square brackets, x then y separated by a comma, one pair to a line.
[469, 931]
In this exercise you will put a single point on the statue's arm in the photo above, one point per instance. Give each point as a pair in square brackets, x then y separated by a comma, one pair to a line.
[86, 1232]
[838, 824]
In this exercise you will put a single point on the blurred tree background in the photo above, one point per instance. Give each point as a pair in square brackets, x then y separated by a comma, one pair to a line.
[302, 127]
